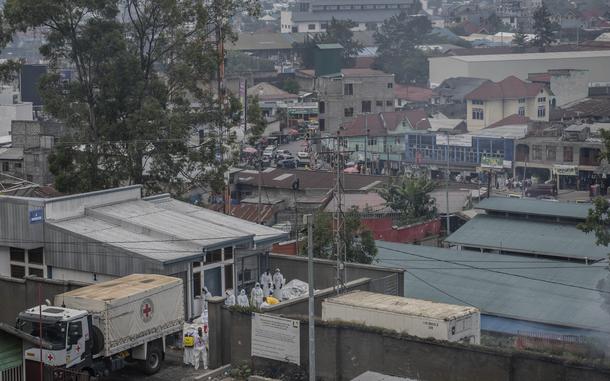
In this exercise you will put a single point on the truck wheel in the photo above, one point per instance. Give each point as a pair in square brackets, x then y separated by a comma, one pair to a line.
[152, 364]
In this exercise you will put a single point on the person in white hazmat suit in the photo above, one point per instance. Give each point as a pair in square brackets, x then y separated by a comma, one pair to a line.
[206, 296]
[267, 282]
[189, 346]
[257, 295]
[278, 283]
[242, 299]
[200, 350]
[230, 300]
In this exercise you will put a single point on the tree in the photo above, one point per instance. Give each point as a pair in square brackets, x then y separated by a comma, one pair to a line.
[359, 242]
[398, 53]
[290, 85]
[140, 65]
[543, 28]
[337, 32]
[410, 196]
[494, 24]
[520, 40]
[255, 119]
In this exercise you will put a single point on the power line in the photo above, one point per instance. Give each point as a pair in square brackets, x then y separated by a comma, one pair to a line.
[504, 273]
[440, 290]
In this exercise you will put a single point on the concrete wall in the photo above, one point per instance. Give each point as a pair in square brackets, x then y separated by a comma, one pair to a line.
[24, 293]
[344, 352]
[569, 87]
[5, 261]
[325, 271]
[79, 276]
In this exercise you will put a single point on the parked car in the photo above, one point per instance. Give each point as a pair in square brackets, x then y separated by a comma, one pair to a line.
[288, 163]
[269, 151]
[284, 156]
[303, 155]
[536, 190]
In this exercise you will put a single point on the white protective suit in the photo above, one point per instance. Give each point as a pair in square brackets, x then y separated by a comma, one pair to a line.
[230, 300]
[267, 283]
[188, 355]
[200, 350]
[256, 297]
[278, 283]
[242, 299]
[206, 296]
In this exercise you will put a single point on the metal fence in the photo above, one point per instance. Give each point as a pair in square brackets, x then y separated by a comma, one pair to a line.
[12, 374]
[387, 285]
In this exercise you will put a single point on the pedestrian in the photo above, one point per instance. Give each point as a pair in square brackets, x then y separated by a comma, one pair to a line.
[201, 350]
[230, 300]
[278, 283]
[242, 299]
[206, 296]
[266, 282]
[256, 296]
[188, 342]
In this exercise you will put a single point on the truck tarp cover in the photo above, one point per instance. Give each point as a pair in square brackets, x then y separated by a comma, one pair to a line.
[130, 309]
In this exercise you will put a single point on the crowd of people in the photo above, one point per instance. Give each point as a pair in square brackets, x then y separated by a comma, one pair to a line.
[265, 293]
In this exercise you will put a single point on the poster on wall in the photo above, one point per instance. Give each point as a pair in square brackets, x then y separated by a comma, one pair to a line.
[276, 338]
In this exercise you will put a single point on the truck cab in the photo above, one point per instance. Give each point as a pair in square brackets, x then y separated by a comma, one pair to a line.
[66, 331]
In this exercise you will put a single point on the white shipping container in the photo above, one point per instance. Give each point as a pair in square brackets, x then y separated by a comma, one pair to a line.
[415, 317]
[131, 310]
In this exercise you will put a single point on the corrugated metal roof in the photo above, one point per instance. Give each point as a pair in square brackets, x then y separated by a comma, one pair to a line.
[11, 153]
[401, 305]
[528, 237]
[261, 233]
[535, 207]
[527, 296]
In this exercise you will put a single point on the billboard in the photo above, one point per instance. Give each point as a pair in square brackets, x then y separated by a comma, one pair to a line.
[492, 162]
[276, 338]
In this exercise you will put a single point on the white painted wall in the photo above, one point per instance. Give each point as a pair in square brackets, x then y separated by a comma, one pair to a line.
[10, 112]
[5, 261]
[80, 276]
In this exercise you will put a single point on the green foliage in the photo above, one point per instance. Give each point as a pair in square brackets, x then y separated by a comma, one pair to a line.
[129, 108]
[411, 197]
[543, 28]
[397, 51]
[598, 221]
[359, 242]
[255, 119]
[520, 41]
[290, 85]
[338, 31]
[494, 24]
[242, 372]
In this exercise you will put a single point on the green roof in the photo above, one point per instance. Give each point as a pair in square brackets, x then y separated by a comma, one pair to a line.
[535, 207]
[329, 46]
[528, 237]
[520, 288]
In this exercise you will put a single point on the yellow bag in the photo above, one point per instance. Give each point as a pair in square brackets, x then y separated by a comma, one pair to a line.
[188, 341]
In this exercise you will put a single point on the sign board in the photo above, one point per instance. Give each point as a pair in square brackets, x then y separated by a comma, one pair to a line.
[36, 216]
[276, 338]
[564, 170]
[492, 162]
[454, 140]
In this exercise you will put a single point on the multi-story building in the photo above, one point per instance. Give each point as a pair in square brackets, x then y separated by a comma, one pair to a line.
[378, 139]
[352, 92]
[494, 101]
[315, 15]
[517, 13]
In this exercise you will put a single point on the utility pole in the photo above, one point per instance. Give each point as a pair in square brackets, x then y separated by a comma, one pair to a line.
[447, 189]
[245, 107]
[366, 141]
[338, 214]
[260, 184]
[312, 325]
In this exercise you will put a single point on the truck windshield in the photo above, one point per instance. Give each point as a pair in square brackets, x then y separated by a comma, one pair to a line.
[53, 333]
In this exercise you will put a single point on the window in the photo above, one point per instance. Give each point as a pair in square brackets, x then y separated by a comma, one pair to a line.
[477, 113]
[357, 148]
[348, 112]
[311, 26]
[366, 106]
[348, 89]
[477, 102]
[372, 142]
[537, 152]
[33, 271]
[322, 124]
[229, 276]
[17, 165]
[379, 103]
[521, 100]
[568, 154]
[390, 85]
[551, 153]
[389, 103]
[213, 256]
[228, 253]
[35, 256]
[17, 255]
[541, 111]
[5, 166]
[396, 140]
[541, 99]
[324, 26]
[17, 271]
[321, 107]
[521, 111]
[197, 283]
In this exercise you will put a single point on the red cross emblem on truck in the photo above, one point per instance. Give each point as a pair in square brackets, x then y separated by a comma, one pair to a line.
[146, 310]
[50, 357]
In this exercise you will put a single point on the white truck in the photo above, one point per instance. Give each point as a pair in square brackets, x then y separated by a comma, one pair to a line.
[98, 328]
[415, 317]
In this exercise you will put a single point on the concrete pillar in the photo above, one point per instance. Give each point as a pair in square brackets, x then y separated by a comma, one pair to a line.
[215, 328]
